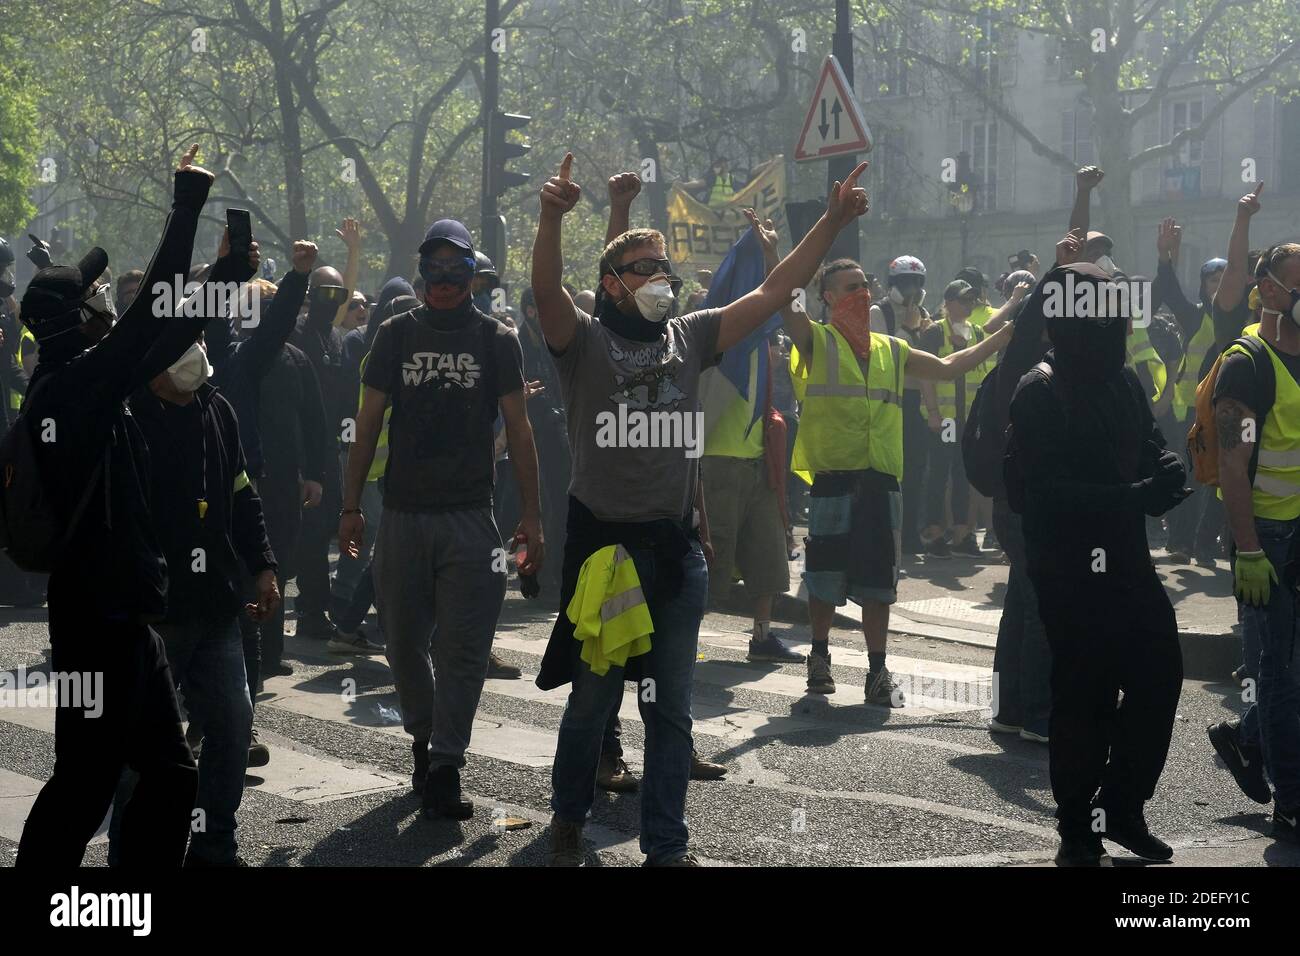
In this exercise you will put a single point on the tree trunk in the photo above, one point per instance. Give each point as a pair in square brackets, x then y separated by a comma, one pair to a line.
[291, 132]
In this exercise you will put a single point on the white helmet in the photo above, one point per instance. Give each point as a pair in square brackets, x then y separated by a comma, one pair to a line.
[907, 266]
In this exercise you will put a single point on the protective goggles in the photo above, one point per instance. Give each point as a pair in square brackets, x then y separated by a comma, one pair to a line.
[449, 271]
[329, 294]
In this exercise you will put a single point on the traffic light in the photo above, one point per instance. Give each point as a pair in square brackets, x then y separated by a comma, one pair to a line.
[502, 150]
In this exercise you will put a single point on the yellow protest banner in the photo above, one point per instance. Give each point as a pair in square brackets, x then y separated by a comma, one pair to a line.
[700, 235]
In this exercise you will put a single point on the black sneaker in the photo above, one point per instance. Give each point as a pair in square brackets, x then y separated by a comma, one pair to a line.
[938, 548]
[259, 755]
[770, 649]
[1284, 824]
[913, 546]
[1129, 830]
[820, 680]
[1080, 848]
[420, 763]
[316, 626]
[1246, 764]
[275, 669]
[968, 547]
[442, 795]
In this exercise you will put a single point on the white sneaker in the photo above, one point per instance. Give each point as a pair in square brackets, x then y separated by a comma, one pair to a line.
[1030, 735]
[997, 727]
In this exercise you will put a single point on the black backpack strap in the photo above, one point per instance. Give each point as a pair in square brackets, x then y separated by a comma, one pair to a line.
[1267, 381]
[887, 310]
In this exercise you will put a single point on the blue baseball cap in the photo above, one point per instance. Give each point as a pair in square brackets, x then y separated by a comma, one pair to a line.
[447, 230]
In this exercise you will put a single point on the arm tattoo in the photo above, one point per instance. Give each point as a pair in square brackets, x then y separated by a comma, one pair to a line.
[1228, 417]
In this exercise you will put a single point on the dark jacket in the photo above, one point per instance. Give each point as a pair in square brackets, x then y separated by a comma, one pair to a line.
[298, 442]
[196, 456]
[1084, 443]
[323, 346]
[240, 366]
[114, 563]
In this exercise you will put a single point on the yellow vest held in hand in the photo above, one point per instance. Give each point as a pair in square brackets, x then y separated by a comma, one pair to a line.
[852, 415]
[608, 610]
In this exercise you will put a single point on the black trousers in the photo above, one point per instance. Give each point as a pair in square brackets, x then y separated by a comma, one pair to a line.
[320, 526]
[139, 727]
[918, 447]
[1104, 641]
[282, 508]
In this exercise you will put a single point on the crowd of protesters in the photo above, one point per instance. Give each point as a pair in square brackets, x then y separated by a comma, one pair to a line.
[205, 457]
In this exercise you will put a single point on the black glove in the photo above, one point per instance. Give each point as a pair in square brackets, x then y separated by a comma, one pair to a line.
[39, 253]
[529, 587]
[1164, 489]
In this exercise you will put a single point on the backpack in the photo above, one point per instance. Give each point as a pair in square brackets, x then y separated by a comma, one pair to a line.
[33, 532]
[1203, 437]
[983, 441]
[887, 310]
[1013, 476]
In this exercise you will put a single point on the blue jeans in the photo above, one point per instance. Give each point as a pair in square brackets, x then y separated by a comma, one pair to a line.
[1277, 707]
[664, 698]
[349, 571]
[207, 663]
[1022, 660]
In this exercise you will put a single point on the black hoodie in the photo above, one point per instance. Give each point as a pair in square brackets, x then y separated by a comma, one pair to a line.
[1084, 443]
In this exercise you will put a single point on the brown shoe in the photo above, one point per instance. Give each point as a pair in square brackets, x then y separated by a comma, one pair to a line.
[566, 843]
[612, 775]
[500, 670]
[703, 770]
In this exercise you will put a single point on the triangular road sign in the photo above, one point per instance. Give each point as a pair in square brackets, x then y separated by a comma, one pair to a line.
[834, 125]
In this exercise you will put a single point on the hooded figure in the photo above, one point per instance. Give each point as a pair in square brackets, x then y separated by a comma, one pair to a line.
[1092, 463]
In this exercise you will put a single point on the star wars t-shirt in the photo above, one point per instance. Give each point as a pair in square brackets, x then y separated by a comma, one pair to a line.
[634, 418]
[443, 379]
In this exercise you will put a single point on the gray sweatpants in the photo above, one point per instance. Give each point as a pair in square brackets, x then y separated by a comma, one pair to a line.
[439, 599]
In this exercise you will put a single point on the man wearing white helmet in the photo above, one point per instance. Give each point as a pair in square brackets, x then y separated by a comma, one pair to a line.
[902, 305]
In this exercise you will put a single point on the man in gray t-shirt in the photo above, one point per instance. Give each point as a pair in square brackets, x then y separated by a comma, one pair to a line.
[657, 383]
[630, 383]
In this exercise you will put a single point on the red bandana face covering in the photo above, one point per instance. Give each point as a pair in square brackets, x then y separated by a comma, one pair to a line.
[851, 317]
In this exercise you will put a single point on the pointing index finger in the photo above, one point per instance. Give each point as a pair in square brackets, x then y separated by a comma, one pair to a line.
[858, 170]
[1259, 188]
[566, 167]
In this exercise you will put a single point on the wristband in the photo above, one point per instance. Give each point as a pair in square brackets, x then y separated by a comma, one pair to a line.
[349, 511]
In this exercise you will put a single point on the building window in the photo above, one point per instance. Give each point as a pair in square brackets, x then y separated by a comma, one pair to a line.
[985, 54]
[1183, 171]
[980, 139]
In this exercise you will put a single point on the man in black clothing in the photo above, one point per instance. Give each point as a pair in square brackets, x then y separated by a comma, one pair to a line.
[209, 520]
[322, 342]
[1091, 462]
[110, 582]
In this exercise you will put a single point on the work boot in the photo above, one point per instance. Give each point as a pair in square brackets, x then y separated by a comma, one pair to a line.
[500, 670]
[1128, 828]
[420, 765]
[701, 769]
[566, 843]
[820, 680]
[442, 795]
[259, 755]
[1246, 764]
[612, 775]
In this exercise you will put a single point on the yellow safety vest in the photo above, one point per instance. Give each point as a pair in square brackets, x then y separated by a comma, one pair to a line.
[16, 396]
[609, 611]
[1275, 491]
[1140, 350]
[1189, 368]
[731, 435]
[721, 192]
[380, 462]
[980, 315]
[852, 415]
[946, 392]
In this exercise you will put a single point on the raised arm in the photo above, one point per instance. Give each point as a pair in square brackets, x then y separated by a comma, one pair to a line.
[623, 188]
[555, 310]
[1003, 315]
[277, 322]
[351, 236]
[1237, 274]
[1085, 180]
[848, 201]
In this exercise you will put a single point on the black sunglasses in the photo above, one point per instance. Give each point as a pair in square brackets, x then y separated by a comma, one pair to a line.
[646, 267]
